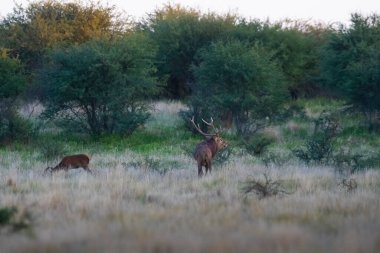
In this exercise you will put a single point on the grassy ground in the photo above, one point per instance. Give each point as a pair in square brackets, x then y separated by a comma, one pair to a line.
[146, 197]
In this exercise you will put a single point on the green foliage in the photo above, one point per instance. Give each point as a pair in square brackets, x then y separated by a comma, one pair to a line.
[223, 157]
[153, 164]
[351, 64]
[237, 79]
[29, 32]
[11, 217]
[319, 146]
[101, 86]
[353, 161]
[6, 215]
[179, 33]
[258, 144]
[51, 149]
[14, 127]
[12, 78]
[12, 85]
[296, 47]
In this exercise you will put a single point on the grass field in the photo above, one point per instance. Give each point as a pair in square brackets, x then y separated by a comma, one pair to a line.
[145, 196]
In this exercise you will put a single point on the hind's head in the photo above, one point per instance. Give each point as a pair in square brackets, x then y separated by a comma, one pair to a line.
[48, 170]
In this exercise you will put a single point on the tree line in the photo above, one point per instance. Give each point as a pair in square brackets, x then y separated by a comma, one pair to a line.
[94, 69]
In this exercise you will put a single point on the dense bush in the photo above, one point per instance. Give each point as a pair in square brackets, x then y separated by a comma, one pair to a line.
[44, 24]
[319, 146]
[179, 33]
[100, 86]
[236, 79]
[258, 144]
[12, 85]
[351, 61]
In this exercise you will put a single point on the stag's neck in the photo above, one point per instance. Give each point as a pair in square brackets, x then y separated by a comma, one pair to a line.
[212, 146]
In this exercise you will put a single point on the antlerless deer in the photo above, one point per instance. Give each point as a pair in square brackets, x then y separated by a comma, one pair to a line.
[206, 150]
[71, 162]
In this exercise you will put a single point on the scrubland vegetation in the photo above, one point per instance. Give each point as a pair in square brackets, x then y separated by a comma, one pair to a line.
[297, 102]
[145, 196]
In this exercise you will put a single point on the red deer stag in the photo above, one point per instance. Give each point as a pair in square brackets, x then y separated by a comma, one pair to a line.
[207, 149]
[71, 162]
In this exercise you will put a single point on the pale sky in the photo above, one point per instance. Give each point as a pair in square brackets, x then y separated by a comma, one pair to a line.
[327, 11]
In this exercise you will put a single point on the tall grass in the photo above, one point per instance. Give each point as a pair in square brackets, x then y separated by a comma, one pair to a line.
[129, 207]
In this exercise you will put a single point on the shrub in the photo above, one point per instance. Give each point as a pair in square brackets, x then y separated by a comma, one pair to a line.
[349, 185]
[12, 85]
[263, 188]
[238, 82]
[51, 150]
[350, 65]
[12, 218]
[153, 164]
[258, 144]
[223, 156]
[101, 86]
[319, 146]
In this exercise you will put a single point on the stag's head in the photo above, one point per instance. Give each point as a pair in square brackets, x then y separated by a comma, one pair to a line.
[220, 143]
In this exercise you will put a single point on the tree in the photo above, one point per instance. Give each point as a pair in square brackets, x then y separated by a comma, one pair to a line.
[101, 86]
[12, 85]
[44, 24]
[295, 45]
[179, 33]
[237, 79]
[351, 64]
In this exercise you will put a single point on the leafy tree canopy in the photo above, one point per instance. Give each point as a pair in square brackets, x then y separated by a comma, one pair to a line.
[45, 24]
[351, 64]
[234, 77]
[179, 33]
[101, 86]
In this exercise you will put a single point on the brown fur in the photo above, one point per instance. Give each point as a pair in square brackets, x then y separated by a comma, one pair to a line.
[72, 162]
[205, 151]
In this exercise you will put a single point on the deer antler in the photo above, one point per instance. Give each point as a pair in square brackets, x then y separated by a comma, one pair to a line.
[197, 127]
[211, 124]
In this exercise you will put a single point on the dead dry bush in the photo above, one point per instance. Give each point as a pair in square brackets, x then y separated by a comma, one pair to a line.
[349, 185]
[263, 188]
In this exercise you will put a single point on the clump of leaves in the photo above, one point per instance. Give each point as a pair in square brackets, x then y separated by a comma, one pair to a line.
[258, 144]
[223, 156]
[319, 145]
[11, 217]
[263, 188]
[344, 161]
[348, 161]
[51, 150]
[349, 185]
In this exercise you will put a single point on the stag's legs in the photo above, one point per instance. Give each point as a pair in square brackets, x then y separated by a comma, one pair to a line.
[200, 170]
[209, 167]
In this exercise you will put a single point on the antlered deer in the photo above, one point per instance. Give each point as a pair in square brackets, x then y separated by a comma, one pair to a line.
[71, 162]
[206, 150]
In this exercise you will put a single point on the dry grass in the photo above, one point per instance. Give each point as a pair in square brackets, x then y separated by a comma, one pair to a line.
[124, 209]
[128, 209]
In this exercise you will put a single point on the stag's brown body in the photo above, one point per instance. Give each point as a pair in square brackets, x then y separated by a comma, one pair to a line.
[72, 162]
[205, 151]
